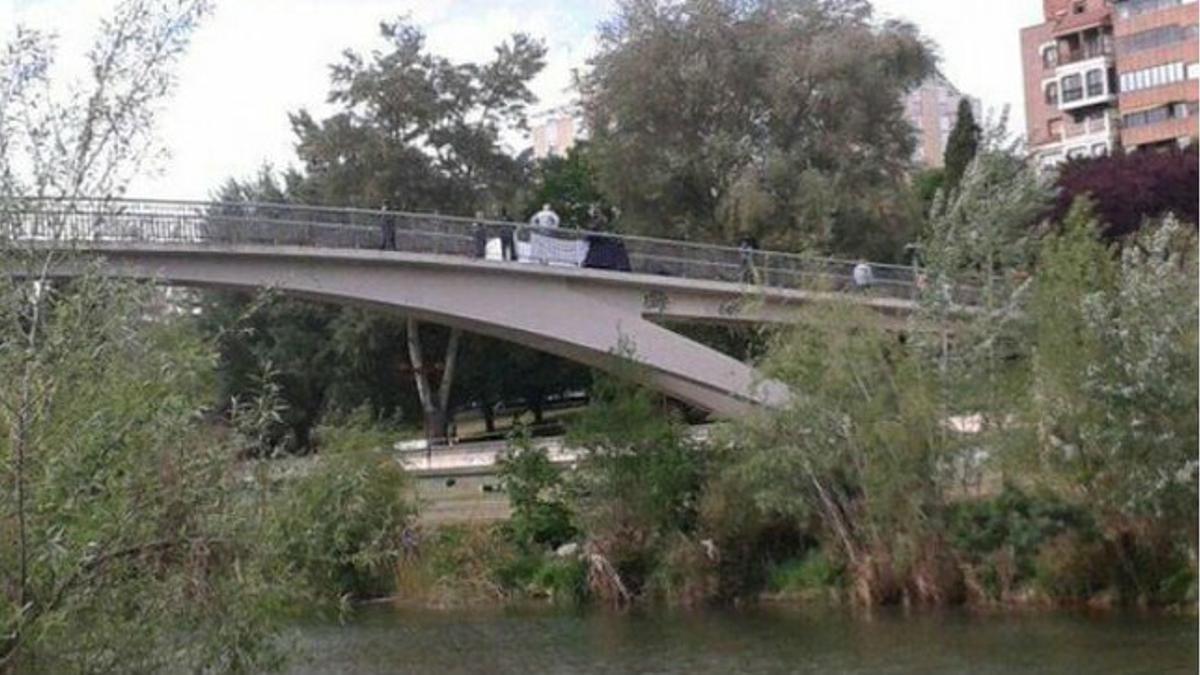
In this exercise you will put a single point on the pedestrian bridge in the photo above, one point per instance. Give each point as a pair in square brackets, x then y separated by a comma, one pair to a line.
[432, 271]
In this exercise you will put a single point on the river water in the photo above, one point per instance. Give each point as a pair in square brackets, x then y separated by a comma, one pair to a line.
[762, 640]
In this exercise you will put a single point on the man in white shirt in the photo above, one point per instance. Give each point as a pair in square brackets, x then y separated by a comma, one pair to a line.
[863, 276]
[545, 218]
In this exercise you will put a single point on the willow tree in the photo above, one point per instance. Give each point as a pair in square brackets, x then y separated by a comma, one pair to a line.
[713, 119]
[119, 548]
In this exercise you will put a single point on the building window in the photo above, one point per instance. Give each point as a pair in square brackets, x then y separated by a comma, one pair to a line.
[1072, 88]
[1077, 153]
[1156, 37]
[1131, 8]
[1184, 109]
[1052, 93]
[1143, 118]
[1193, 71]
[1157, 76]
[1095, 82]
[1099, 150]
[1050, 56]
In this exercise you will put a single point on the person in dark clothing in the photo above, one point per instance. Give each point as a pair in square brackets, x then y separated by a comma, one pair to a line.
[479, 237]
[387, 226]
[508, 245]
[746, 248]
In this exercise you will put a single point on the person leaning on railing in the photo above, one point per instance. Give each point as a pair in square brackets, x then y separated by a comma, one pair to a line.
[387, 227]
[546, 218]
[479, 236]
[747, 248]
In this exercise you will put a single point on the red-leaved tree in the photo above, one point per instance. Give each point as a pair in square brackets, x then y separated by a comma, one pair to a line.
[1128, 188]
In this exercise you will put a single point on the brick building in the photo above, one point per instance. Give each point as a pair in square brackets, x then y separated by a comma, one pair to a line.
[1106, 73]
[932, 110]
[554, 132]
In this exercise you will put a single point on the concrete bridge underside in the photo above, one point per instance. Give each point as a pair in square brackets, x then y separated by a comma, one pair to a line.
[579, 314]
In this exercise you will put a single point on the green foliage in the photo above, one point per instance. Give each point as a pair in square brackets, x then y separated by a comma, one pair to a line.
[459, 564]
[701, 129]
[563, 580]
[1073, 567]
[1114, 394]
[641, 469]
[357, 431]
[569, 185]
[639, 482]
[927, 184]
[862, 448]
[1078, 371]
[417, 131]
[340, 527]
[538, 575]
[540, 517]
[119, 535]
[813, 572]
[978, 251]
[962, 144]
[1016, 522]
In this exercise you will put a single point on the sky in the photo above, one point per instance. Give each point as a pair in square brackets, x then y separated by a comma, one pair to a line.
[253, 61]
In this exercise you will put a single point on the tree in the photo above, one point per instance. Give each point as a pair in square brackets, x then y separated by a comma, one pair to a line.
[1114, 397]
[977, 250]
[120, 547]
[962, 144]
[1128, 188]
[417, 132]
[926, 185]
[570, 185]
[637, 486]
[716, 119]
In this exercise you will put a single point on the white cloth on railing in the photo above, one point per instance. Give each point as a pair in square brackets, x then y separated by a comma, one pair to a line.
[553, 251]
[494, 250]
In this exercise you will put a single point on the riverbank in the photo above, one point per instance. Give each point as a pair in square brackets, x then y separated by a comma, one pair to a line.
[478, 566]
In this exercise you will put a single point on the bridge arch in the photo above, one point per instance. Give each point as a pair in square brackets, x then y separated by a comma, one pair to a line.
[581, 315]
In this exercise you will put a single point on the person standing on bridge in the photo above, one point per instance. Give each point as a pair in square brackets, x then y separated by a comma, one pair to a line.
[387, 226]
[747, 248]
[479, 236]
[863, 276]
[546, 218]
[508, 237]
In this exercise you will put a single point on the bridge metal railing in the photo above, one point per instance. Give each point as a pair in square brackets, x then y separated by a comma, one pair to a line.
[273, 224]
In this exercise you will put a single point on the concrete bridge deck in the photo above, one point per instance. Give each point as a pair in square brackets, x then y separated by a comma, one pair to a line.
[584, 314]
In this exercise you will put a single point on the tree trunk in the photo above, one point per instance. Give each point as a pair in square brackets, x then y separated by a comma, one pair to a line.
[434, 409]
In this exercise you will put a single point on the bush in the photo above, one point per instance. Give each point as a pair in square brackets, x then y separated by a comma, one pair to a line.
[462, 564]
[638, 485]
[341, 526]
[814, 571]
[561, 579]
[1013, 521]
[355, 432]
[1072, 567]
[540, 518]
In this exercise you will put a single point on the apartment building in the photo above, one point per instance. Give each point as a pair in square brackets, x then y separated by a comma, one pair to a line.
[932, 110]
[1106, 73]
[554, 132]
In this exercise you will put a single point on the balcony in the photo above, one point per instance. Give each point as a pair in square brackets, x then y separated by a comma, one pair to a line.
[1086, 83]
[1087, 53]
[1096, 126]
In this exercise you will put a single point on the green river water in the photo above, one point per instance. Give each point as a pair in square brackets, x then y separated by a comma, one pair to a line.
[762, 640]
